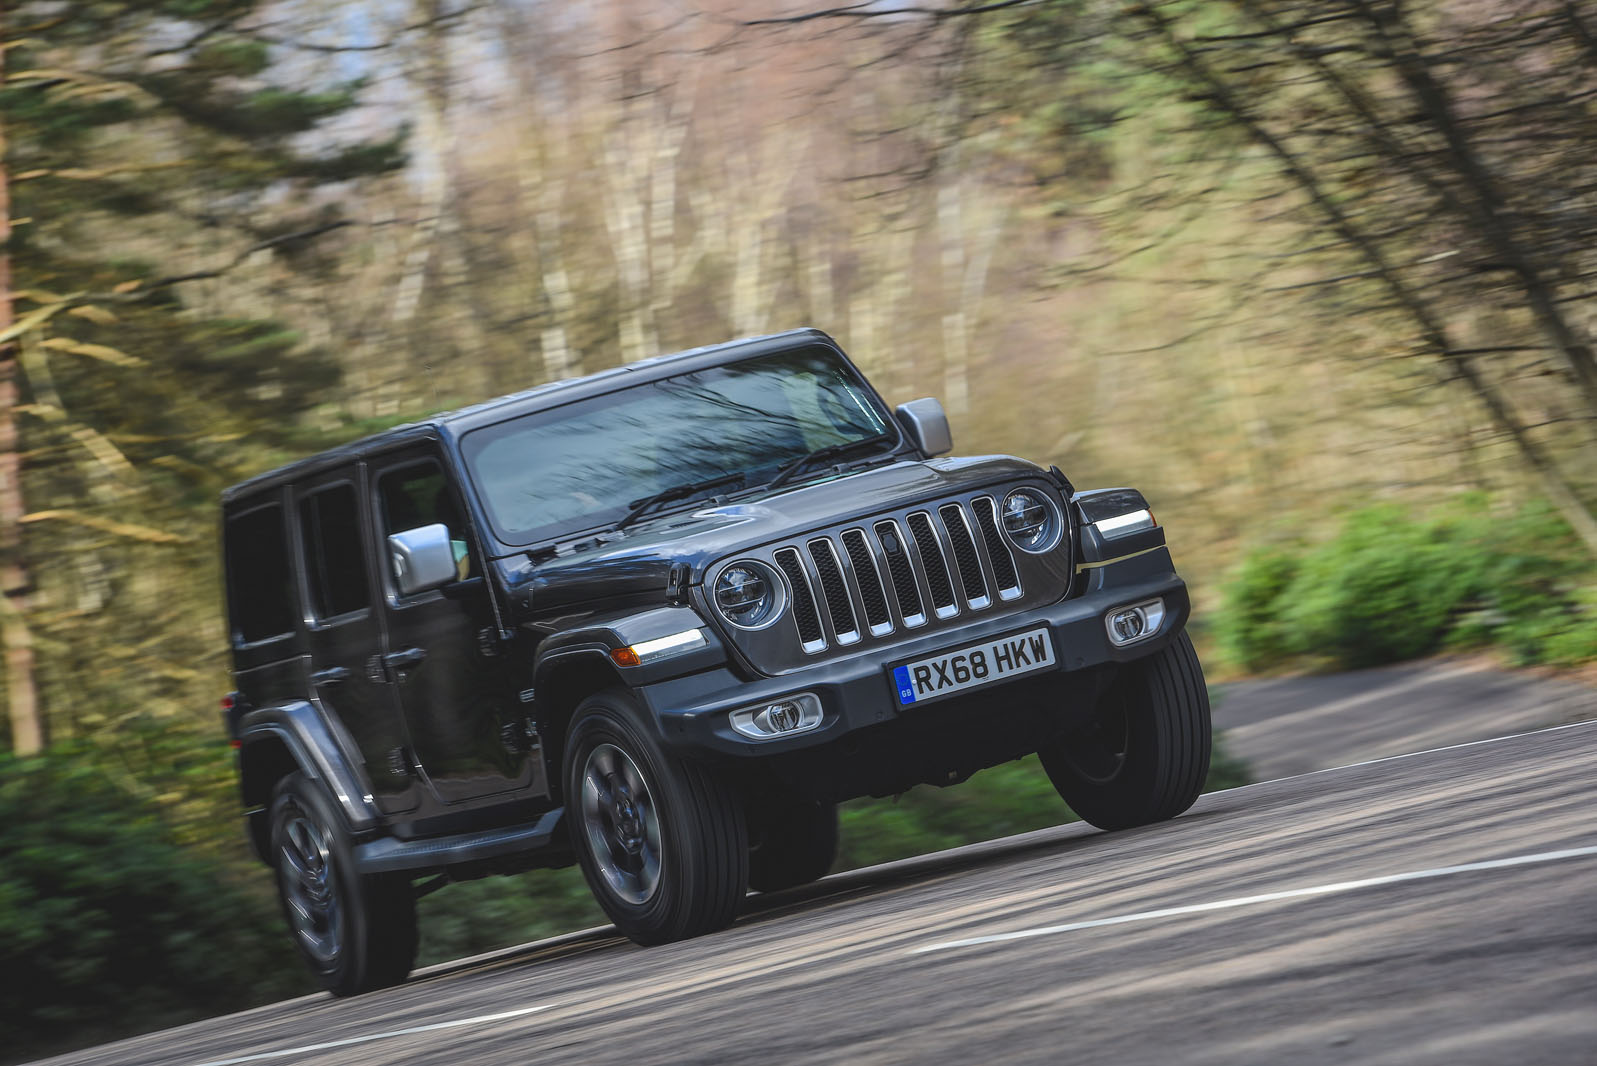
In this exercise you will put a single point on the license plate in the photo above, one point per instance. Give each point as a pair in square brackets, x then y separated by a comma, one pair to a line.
[972, 666]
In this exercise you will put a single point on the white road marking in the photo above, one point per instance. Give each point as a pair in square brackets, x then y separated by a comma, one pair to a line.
[1265, 897]
[847, 877]
[369, 1037]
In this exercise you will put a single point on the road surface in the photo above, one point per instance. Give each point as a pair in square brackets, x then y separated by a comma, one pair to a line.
[1435, 908]
[1292, 725]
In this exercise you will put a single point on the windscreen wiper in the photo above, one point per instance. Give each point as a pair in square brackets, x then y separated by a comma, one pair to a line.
[793, 467]
[637, 508]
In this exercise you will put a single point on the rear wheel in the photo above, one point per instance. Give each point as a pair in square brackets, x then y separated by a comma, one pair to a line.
[795, 842]
[356, 933]
[662, 841]
[1144, 755]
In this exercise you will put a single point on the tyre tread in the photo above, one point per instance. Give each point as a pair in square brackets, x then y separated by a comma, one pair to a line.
[383, 938]
[712, 852]
[1173, 702]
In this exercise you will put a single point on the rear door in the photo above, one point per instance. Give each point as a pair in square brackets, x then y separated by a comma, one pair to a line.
[345, 636]
[445, 658]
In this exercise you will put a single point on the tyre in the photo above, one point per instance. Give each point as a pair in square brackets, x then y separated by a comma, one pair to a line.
[1144, 755]
[356, 933]
[795, 842]
[662, 841]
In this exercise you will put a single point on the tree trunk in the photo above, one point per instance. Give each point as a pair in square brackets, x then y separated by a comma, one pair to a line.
[22, 693]
[1405, 298]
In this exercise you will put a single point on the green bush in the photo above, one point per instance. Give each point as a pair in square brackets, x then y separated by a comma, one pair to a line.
[108, 924]
[1391, 586]
[1249, 630]
[1383, 590]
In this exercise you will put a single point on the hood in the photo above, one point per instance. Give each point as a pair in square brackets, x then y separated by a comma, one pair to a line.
[637, 564]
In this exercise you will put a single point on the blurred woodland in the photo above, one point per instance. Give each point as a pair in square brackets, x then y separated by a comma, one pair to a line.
[1271, 261]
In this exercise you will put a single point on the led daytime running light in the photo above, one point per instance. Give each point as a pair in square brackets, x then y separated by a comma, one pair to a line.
[1131, 522]
[645, 650]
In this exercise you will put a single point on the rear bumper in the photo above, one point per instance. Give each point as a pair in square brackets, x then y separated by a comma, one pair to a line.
[858, 694]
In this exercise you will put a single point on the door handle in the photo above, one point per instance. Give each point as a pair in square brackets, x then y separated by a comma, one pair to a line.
[406, 659]
[333, 675]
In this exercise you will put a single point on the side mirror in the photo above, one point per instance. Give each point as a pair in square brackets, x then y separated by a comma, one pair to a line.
[422, 558]
[927, 425]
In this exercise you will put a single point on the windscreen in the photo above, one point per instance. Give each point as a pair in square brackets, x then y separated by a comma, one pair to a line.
[586, 464]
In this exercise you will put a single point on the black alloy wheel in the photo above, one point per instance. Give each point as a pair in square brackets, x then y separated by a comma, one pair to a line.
[661, 840]
[356, 933]
[621, 824]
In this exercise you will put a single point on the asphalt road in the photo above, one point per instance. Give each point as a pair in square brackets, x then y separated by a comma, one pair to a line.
[1292, 725]
[1435, 908]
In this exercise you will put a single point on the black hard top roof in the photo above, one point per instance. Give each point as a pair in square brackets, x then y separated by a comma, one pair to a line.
[540, 397]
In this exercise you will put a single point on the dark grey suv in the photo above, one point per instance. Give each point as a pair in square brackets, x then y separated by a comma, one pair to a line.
[659, 621]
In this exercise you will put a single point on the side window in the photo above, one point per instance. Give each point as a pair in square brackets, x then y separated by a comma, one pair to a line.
[260, 604]
[335, 565]
[419, 495]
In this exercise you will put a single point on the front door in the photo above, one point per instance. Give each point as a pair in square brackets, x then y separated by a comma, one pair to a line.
[445, 657]
[346, 638]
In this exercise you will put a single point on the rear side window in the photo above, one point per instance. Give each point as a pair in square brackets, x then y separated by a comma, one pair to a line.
[260, 603]
[335, 565]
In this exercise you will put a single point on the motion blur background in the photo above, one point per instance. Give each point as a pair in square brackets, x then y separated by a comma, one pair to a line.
[1315, 276]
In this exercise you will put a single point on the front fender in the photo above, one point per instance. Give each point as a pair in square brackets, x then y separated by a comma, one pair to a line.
[598, 638]
[1097, 550]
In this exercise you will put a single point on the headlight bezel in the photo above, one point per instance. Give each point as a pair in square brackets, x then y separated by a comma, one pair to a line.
[775, 596]
[1052, 526]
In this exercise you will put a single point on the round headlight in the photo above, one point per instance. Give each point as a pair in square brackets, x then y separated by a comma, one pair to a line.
[1032, 521]
[748, 594]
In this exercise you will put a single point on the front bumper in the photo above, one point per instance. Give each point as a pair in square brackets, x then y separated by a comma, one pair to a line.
[857, 694]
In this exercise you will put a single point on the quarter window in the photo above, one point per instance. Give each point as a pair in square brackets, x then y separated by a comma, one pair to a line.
[335, 565]
[260, 603]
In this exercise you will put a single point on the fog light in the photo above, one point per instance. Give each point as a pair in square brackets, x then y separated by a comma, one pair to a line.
[1128, 625]
[778, 718]
[1137, 622]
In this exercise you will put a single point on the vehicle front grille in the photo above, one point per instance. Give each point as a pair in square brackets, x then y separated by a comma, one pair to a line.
[871, 590]
[877, 577]
[905, 589]
[837, 598]
[933, 565]
[804, 613]
[1003, 565]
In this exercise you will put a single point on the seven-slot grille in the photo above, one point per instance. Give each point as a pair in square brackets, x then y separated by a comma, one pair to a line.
[887, 575]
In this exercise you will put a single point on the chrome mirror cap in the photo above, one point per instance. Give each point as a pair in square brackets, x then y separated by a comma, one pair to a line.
[927, 425]
[421, 558]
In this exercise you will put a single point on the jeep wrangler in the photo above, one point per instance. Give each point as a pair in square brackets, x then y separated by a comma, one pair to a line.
[659, 621]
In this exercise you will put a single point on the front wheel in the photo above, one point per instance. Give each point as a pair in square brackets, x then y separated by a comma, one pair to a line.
[357, 933]
[1144, 754]
[662, 841]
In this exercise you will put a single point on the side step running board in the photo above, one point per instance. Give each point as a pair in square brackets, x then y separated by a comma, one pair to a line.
[389, 855]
